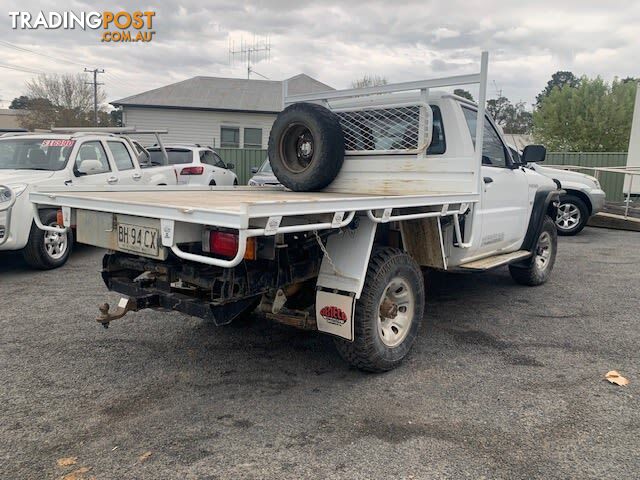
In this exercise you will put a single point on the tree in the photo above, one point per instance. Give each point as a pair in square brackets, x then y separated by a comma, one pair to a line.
[62, 100]
[558, 80]
[20, 103]
[461, 92]
[512, 118]
[369, 81]
[593, 116]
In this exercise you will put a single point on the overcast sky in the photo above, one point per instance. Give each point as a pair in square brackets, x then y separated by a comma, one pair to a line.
[339, 41]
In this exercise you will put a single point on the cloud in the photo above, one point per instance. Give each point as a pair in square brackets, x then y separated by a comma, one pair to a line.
[338, 41]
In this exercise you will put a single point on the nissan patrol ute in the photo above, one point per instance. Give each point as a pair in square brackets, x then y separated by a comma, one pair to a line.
[378, 183]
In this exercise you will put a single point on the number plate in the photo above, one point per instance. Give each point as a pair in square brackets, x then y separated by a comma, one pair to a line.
[134, 238]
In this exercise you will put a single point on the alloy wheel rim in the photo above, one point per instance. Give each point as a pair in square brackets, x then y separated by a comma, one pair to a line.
[543, 251]
[56, 244]
[568, 216]
[395, 312]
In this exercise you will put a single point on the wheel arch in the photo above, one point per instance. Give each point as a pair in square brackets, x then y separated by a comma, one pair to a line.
[582, 196]
[545, 203]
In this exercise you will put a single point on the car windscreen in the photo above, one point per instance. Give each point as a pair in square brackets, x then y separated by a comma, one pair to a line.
[176, 156]
[266, 167]
[34, 153]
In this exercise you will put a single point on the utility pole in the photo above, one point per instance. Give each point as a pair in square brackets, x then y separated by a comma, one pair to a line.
[95, 84]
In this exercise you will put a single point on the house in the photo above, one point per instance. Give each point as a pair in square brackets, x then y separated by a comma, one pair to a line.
[220, 112]
[10, 119]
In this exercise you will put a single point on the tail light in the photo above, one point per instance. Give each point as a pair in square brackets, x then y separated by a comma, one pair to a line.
[225, 244]
[192, 171]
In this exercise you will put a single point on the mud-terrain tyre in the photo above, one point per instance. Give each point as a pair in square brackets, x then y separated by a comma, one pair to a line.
[388, 313]
[47, 250]
[573, 214]
[306, 147]
[536, 270]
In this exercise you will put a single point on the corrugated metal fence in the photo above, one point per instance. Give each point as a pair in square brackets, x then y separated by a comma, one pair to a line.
[244, 160]
[612, 183]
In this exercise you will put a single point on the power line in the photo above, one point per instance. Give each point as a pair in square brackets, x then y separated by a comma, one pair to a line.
[52, 57]
[21, 69]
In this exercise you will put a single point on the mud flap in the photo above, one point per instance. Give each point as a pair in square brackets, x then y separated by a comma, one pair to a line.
[335, 312]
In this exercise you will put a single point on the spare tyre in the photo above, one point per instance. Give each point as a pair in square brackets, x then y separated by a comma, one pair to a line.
[306, 147]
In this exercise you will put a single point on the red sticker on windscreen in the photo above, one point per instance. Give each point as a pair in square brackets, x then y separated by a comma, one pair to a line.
[58, 143]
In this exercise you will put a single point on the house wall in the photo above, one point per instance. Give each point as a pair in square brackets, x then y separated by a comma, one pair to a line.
[195, 126]
[10, 118]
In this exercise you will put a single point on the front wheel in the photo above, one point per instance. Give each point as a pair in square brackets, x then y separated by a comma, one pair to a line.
[388, 313]
[47, 250]
[537, 269]
[572, 215]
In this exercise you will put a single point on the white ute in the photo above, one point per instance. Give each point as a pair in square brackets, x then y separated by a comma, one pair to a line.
[85, 159]
[412, 191]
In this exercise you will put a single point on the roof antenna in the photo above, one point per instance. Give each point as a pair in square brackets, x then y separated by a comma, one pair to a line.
[254, 52]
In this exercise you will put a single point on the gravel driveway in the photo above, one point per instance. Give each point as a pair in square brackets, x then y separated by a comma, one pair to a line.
[504, 382]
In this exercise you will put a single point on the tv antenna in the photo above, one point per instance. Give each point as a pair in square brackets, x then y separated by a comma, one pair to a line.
[251, 53]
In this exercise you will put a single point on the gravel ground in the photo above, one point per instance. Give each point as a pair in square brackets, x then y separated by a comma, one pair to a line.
[504, 382]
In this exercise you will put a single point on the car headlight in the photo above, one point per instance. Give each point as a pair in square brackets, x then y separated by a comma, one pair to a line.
[252, 183]
[6, 192]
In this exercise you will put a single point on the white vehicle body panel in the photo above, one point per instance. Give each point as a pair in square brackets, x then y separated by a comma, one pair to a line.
[212, 174]
[576, 182]
[16, 235]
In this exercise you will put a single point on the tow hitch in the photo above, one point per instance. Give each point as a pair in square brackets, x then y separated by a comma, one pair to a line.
[125, 305]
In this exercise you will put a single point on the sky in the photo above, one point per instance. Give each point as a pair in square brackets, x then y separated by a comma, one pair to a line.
[335, 42]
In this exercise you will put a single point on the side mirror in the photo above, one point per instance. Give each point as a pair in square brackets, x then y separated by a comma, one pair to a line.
[254, 170]
[88, 167]
[534, 154]
[230, 166]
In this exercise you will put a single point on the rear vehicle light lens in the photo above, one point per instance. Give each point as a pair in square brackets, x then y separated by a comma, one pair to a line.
[192, 171]
[222, 243]
[59, 218]
[226, 244]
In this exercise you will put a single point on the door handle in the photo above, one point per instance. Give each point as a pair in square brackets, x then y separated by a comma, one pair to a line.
[136, 176]
[488, 180]
[112, 179]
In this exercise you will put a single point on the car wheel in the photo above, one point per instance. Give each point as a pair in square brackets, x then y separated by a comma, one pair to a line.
[47, 250]
[388, 313]
[572, 215]
[536, 270]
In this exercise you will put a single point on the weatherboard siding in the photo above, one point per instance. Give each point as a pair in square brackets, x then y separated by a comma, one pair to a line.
[195, 126]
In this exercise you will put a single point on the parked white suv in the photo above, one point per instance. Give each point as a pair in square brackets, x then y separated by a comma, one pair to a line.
[79, 159]
[582, 199]
[196, 165]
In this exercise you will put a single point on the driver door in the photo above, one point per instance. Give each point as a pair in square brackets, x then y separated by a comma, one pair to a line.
[504, 199]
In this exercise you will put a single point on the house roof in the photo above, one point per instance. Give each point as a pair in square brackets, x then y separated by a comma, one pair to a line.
[214, 93]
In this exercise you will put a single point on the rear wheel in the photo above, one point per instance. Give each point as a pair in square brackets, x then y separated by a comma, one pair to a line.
[47, 250]
[537, 269]
[572, 215]
[388, 313]
[306, 147]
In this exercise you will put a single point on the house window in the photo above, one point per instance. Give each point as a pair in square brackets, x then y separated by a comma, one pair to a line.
[252, 138]
[230, 137]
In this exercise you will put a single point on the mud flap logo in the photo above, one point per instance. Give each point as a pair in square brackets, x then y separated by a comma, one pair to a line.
[334, 313]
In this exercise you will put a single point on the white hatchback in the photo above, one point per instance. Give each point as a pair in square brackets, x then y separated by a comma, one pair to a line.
[196, 165]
